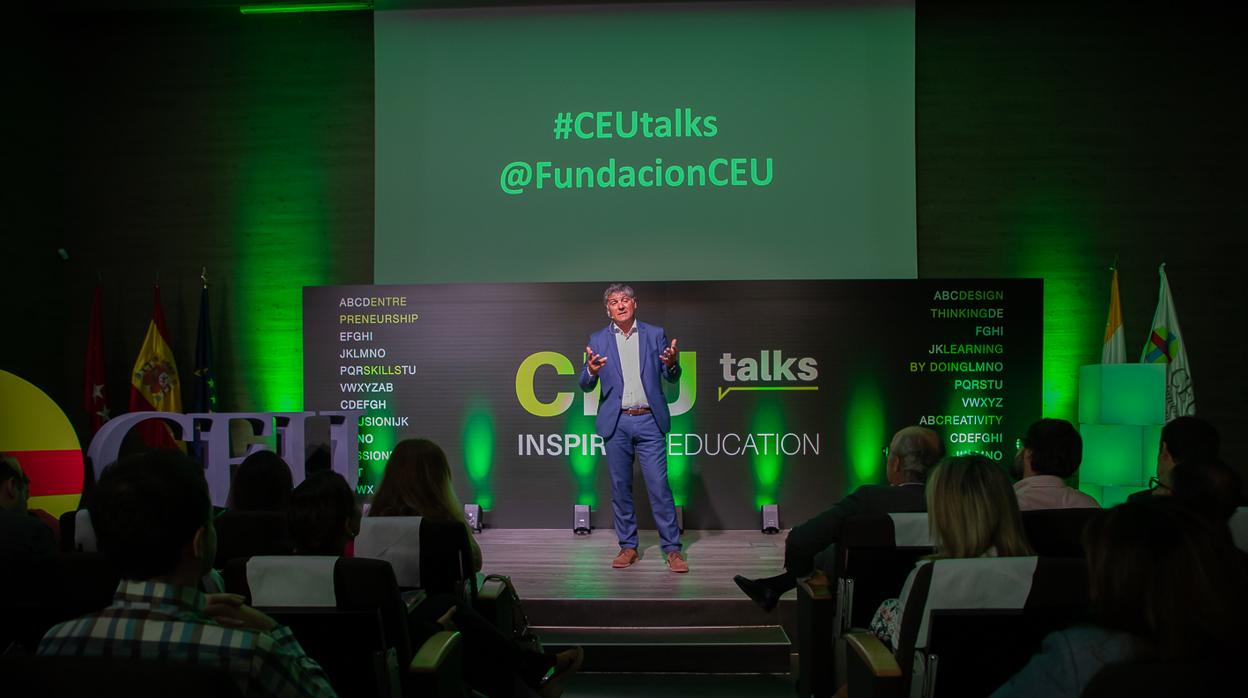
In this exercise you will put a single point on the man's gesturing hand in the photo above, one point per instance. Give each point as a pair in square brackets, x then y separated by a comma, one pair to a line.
[594, 362]
[670, 356]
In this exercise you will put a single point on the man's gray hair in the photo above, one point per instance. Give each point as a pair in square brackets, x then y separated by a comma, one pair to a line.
[618, 288]
[918, 450]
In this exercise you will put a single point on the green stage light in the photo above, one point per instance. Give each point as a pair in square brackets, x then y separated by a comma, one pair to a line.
[1053, 237]
[865, 432]
[678, 465]
[478, 438]
[303, 7]
[768, 418]
[584, 464]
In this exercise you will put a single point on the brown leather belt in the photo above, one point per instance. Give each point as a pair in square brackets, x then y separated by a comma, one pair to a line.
[634, 411]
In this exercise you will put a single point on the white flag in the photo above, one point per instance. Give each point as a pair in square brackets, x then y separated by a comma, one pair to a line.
[1165, 344]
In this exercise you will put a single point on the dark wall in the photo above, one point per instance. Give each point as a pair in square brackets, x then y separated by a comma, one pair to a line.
[1050, 140]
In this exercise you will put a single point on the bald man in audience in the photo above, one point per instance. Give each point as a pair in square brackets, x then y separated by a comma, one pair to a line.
[22, 534]
[1051, 452]
[909, 456]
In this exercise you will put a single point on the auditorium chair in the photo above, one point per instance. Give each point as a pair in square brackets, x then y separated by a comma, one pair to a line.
[431, 555]
[77, 533]
[1058, 532]
[250, 533]
[868, 564]
[349, 616]
[109, 677]
[1239, 528]
[435, 557]
[43, 591]
[968, 626]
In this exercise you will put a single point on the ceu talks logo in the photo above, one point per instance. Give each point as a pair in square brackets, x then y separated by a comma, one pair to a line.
[526, 393]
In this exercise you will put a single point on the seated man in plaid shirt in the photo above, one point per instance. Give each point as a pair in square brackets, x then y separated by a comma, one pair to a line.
[153, 519]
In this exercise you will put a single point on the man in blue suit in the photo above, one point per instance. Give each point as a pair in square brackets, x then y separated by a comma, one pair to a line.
[629, 357]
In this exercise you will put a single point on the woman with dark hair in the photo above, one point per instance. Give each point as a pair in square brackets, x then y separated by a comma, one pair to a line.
[261, 482]
[417, 482]
[324, 517]
[1165, 585]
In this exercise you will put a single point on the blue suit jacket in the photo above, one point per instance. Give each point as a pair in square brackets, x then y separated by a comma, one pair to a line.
[653, 341]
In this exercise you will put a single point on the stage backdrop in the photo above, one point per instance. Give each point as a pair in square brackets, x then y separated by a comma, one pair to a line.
[778, 135]
[790, 389]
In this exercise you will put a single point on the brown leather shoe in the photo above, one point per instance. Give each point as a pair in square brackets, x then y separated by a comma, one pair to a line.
[676, 562]
[626, 558]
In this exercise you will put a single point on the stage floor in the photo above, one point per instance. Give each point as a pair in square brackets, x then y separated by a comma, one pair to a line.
[558, 564]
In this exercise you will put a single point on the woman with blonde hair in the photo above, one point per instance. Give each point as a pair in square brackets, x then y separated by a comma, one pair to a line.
[971, 512]
[417, 482]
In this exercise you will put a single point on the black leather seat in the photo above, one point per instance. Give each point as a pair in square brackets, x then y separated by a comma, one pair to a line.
[107, 677]
[362, 640]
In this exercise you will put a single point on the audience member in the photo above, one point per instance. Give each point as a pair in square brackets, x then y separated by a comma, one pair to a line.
[1208, 487]
[912, 451]
[323, 517]
[971, 512]
[1165, 585]
[1051, 452]
[153, 519]
[262, 482]
[1182, 438]
[22, 534]
[417, 482]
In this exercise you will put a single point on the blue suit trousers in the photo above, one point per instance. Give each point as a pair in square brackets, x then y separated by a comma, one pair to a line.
[640, 436]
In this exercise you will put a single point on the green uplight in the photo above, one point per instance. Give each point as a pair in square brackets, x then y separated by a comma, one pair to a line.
[1053, 239]
[584, 462]
[865, 432]
[304, 7]
[478, 439]
[678, 465]
[768, 418]
[284, 203]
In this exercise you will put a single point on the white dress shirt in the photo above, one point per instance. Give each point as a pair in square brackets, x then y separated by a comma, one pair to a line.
[1049, 492]
[628, 345]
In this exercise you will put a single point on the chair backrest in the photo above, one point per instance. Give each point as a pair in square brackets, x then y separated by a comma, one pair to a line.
[251, 533]
[47, 590]
[346, 613]
[871, 561]
[1058, 532]
[353, 584]
[1239, 528]
[425, 554]
[84, 533]
[67, 530]
[108, 677]
[970, 624]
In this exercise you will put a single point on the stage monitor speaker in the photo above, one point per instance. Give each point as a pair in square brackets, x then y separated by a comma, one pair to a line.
[472, 512]
[771, 518]
[580, 520]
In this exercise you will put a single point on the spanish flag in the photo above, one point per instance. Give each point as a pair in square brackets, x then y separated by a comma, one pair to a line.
[154, 384]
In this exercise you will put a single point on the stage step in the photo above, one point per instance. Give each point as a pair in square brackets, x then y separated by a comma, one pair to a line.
[675, 649]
